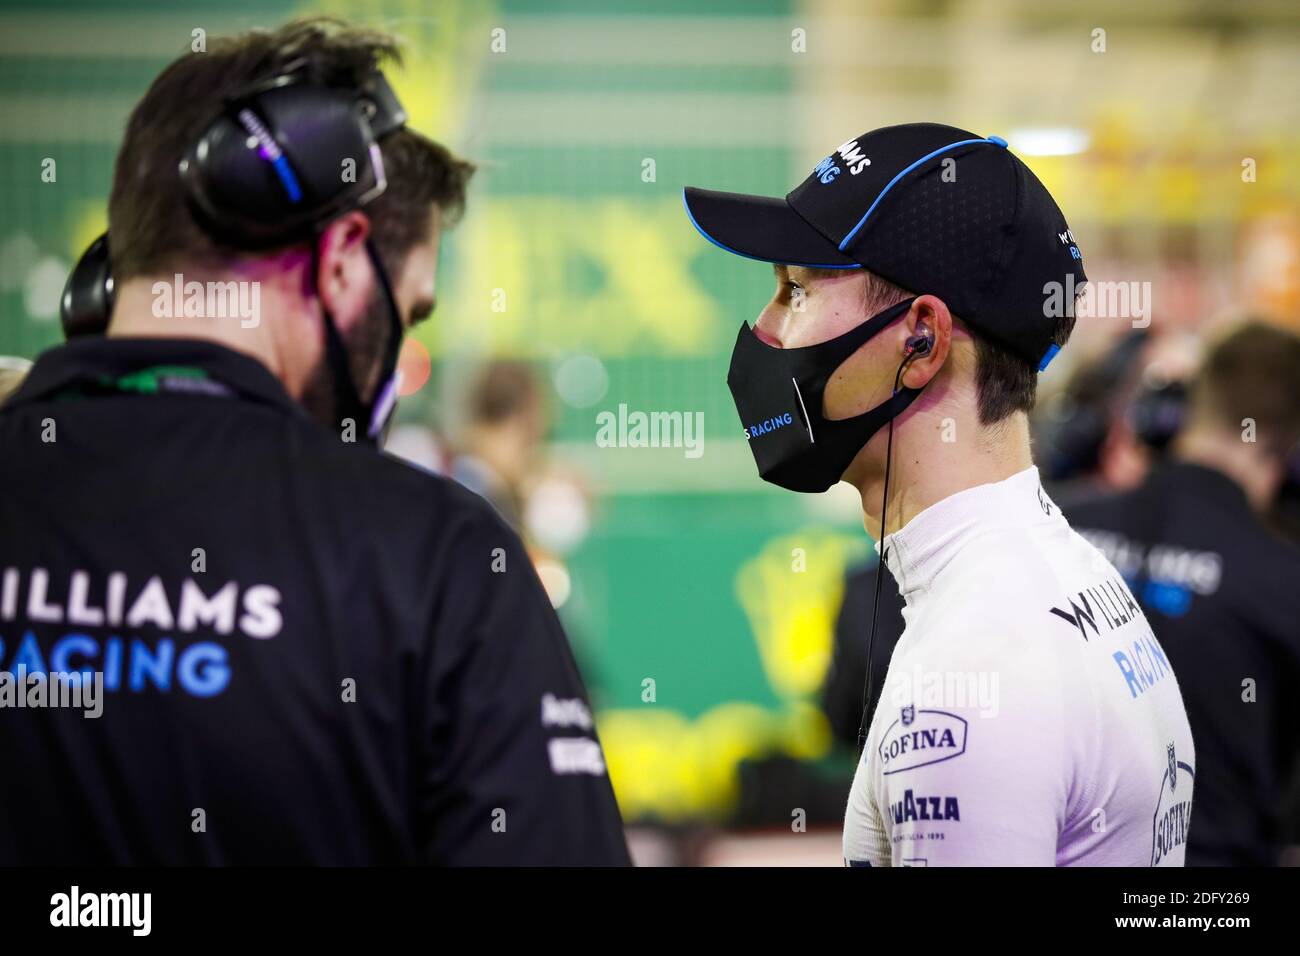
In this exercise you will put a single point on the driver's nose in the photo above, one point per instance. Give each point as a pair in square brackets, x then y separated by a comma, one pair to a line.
[768, 326]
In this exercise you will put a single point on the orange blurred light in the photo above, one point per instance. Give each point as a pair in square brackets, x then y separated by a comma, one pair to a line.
[415, 366]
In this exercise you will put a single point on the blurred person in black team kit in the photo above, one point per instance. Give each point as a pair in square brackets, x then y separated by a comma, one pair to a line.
[306, 651]
[1221, 591]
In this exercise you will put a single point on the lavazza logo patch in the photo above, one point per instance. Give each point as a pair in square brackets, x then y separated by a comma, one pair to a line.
[919, 738]
[913, 808]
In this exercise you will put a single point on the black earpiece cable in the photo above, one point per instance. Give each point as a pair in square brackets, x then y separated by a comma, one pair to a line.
[914, 349]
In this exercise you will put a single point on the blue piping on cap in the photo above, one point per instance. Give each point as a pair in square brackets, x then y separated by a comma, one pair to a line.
[1048, 356]
[991, 140]
[285, 172]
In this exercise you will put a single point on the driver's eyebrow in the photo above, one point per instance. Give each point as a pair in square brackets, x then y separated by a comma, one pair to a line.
[807, 273]
[800, 274]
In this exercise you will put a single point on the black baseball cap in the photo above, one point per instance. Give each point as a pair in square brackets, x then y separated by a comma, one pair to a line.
[981, 232]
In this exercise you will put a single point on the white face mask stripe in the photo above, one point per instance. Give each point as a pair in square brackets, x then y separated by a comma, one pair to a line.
[384, 404]
[812, 439]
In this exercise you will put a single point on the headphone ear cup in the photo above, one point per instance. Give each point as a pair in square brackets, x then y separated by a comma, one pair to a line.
[273, 166]
[1070, 445]
[1158, 412]
[87, 301]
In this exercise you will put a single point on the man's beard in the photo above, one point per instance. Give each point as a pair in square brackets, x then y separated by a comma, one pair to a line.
[364, 344]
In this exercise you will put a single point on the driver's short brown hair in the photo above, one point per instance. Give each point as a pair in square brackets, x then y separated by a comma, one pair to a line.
[1005, 382]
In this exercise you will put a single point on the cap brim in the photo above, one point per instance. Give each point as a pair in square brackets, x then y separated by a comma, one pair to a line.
[760, 227]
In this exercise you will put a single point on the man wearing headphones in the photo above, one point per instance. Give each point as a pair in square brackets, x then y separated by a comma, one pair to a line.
[924, 277]
[302, 651]
[1193, 544]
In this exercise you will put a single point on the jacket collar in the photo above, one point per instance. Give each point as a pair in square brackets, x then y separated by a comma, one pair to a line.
[921, 549]
[95, 358]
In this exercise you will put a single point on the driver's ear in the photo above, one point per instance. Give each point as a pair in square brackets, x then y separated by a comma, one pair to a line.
[930, 319]
[344, 278]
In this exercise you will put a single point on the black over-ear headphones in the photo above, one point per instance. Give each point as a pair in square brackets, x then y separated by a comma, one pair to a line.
[87, 299]
[283, 158]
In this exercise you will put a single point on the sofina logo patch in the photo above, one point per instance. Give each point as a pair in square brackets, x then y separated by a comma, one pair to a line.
[1173, 813]
[919, 738]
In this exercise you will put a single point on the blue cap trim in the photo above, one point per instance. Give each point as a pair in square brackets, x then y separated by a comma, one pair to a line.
[282, 168]
[698, 228]
[992, 140]
[1048, 356]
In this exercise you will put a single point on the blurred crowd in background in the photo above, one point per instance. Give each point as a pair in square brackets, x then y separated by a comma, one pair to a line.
[727, 683]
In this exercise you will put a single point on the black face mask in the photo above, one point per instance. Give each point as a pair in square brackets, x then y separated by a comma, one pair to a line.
[779, 393]
[376, 415]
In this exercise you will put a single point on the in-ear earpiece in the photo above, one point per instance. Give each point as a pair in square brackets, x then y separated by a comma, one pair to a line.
[918, 345]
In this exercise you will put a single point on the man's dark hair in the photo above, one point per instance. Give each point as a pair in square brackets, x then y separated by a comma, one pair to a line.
[1252, 372]
[151, 230]
[1005, 383]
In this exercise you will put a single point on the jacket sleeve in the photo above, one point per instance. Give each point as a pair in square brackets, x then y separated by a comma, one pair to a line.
[514, 773]
[866, 838]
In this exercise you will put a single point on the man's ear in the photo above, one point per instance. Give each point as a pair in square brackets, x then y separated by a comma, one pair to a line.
[928, 316]
[344, 277]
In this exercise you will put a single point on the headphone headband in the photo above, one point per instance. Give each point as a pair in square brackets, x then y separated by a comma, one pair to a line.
[282, 158]
[289, 154]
